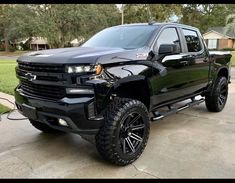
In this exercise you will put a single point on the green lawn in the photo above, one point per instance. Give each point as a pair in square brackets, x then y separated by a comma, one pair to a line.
[233, 58]
[8, 80]
[3, 109]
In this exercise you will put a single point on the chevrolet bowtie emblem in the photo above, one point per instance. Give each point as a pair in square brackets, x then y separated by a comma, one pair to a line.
[30, 76]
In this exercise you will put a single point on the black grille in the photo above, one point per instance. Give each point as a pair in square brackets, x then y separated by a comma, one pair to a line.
[37, 67]
[46, 91]
[22, 73]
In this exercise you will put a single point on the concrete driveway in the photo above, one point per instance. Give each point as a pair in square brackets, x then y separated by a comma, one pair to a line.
[191, 144]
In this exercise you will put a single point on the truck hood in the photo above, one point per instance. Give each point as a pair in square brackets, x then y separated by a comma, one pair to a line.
[84, 55]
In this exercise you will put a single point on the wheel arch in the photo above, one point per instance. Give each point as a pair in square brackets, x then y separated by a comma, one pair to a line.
[134, 87]
[223, 72]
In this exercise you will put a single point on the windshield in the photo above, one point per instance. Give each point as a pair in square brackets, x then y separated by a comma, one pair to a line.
[126, 37]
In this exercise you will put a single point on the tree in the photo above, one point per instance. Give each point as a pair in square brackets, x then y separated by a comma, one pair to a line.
[58, 23]
[204, 16]
[4, 24]
[230, 24]
[61, 24]
[17, 21]
[135, 13]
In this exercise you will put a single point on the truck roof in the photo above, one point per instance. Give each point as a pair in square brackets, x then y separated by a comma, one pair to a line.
[159, 24]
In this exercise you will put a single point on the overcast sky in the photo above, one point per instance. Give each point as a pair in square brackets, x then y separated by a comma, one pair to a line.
[119, 5]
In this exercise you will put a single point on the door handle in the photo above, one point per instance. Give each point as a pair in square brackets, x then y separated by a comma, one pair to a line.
[184, 62]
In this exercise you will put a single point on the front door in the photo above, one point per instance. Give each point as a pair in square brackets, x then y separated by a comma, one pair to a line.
[172, 82]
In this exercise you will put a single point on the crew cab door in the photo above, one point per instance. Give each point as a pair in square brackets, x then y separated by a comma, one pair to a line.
[197, 59]
[184, 73]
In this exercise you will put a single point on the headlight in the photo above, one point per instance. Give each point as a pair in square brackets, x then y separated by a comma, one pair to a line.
[84, 68]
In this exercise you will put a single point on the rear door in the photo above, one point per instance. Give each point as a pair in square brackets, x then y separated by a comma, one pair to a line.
[197, 60]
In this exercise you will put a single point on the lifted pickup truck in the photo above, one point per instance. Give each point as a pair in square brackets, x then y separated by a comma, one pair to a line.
[118, 81]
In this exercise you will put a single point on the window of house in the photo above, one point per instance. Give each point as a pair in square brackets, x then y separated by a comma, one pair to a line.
[212, 43]
[168, 36]
[192, 40]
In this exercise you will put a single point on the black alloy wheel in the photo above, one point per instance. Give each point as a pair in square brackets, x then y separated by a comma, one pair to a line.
[131, 133]
[125, 132]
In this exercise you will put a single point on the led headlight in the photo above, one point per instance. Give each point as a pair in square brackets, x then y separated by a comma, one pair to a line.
[79, 69]
[84, 68]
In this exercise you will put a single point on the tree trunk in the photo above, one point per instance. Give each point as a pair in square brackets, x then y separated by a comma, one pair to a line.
[6, 42]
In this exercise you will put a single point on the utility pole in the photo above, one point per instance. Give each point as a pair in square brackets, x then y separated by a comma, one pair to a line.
[122, 11]
[150, 14]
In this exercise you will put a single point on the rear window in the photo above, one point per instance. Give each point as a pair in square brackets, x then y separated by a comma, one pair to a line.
[192, 40]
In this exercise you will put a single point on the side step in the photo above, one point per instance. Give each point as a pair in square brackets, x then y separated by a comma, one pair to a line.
[173, 110]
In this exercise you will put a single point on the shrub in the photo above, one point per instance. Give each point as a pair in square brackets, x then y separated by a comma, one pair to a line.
[25, 46]
[228, 49]
[12, 48]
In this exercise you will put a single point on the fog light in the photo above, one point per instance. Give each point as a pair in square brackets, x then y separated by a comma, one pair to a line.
[79, 91]
[63, 122]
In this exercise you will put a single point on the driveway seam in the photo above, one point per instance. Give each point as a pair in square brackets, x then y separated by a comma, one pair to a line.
[142, 171]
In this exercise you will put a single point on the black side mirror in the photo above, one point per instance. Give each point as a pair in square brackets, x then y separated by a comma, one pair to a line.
[168, 49]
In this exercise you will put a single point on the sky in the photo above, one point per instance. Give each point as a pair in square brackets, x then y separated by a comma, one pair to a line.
[119, 6]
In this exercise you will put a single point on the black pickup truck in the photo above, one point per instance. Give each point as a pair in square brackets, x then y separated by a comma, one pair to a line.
[120, 80]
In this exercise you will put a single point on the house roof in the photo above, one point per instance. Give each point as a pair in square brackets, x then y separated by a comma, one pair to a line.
[38, 40]
[41, 40]
[221, 30]
[77, 41]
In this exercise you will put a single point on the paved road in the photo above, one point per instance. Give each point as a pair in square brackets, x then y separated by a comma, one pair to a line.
[193, 143]
[233, 72]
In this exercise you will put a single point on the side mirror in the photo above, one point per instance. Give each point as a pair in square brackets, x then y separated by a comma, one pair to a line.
[168, 49]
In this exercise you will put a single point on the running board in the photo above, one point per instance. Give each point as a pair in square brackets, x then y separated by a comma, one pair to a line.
[175, 110]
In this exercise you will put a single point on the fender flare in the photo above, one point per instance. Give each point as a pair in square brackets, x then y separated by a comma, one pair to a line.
[216, 76]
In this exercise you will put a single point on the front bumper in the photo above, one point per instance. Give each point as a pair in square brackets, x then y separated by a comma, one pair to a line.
[75, 111]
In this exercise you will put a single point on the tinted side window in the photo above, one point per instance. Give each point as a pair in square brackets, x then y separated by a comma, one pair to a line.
[168, 36]
[192, 40]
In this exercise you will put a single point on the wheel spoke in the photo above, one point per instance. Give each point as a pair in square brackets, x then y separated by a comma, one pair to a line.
[220, 101]
[134, 120]
[137, 127]
[222, 98]
[124, 146]
[223, 90]
[136, 137]
[130, 144]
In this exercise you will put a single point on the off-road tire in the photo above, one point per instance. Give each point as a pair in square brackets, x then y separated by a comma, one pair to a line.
[216, 101]
[109, 142]
[44, 127]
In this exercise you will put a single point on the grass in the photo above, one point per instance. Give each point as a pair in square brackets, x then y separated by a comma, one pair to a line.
[8, 80]
[233, 58]
[11, 54]
[3, 109]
